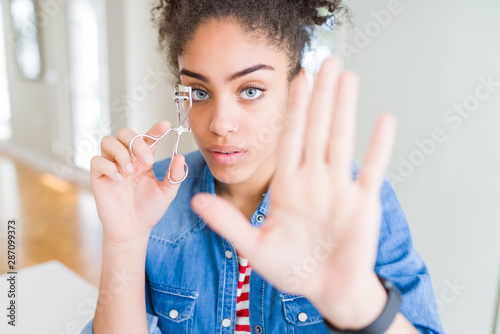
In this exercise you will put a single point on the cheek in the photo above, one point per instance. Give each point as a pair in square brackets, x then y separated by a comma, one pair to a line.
[198, 132]
[265, 132]
[198, 119]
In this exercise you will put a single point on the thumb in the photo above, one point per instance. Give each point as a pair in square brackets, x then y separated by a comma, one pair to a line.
[177, 172]
[227, 221]
[178, 169]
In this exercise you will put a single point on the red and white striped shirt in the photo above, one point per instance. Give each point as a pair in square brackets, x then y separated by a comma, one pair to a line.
[242, 302]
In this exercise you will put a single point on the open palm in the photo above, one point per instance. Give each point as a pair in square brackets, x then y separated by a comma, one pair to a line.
[321, 234]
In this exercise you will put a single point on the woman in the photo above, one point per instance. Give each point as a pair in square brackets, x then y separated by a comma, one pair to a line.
[298, 236]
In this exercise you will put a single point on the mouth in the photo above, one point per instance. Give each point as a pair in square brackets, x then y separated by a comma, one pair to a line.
[225, 155]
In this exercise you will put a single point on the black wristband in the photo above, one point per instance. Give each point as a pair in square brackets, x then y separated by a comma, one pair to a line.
[385, 319]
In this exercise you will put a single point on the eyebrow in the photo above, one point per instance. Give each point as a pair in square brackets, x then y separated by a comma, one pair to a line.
[193, 75]
[231, 77]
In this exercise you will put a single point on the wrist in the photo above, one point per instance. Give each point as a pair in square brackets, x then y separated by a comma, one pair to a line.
[138, 240]
[130, 254]
[363, 306]
[123, 265]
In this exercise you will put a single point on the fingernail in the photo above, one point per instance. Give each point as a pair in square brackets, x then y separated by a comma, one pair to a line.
[119, 177]
[148, 158]
[129, 168]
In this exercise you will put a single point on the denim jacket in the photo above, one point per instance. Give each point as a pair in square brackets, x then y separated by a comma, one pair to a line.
[192, 273]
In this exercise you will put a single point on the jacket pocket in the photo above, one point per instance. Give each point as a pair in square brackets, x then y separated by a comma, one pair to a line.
[174, 308]
[301, 316]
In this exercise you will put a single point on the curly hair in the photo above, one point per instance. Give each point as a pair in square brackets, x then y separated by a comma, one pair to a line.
[286, 24]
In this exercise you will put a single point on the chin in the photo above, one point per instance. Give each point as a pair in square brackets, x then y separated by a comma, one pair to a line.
[228, 174]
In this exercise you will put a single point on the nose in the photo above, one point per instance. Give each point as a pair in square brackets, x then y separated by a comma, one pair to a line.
[224, 118]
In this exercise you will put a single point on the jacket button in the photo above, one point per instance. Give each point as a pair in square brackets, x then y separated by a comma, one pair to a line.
[173, 313]
[229, 254]
[258, 329]
[260, 218]
[226, 322]
[302, 317]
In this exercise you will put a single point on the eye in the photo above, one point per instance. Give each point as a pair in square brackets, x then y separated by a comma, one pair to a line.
[199, 95]
[251, 93]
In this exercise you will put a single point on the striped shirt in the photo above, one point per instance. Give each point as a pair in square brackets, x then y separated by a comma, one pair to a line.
[242, 310]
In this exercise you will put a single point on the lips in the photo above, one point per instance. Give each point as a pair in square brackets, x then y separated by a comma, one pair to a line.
[225, 154]
[225, 149]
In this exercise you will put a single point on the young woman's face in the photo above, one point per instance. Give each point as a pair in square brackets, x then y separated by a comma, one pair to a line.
[240, 92]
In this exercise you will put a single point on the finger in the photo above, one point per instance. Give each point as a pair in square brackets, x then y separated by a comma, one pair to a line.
[141, 145]
[100, 166]
[291, 140]
[168, 188]
[342, 140]
[320, 111]
[176, 174]
[140, 149]
[113, 150]
[157, 130]
[228, 222]
[378, 155]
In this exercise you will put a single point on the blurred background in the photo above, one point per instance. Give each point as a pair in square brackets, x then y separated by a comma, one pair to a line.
[74, 71]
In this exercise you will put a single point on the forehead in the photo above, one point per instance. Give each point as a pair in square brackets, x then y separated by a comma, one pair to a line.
[221, 47]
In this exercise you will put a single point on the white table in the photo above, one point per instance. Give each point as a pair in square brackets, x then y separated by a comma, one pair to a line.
[51, 299]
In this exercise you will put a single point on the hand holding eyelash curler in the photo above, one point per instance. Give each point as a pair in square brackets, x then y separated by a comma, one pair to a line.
[182, 96]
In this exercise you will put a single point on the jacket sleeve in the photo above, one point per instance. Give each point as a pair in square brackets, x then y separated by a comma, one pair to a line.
[399, 262]
[152, 319]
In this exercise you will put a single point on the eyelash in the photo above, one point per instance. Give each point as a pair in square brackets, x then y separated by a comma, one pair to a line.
[198, 88]
[254, 86]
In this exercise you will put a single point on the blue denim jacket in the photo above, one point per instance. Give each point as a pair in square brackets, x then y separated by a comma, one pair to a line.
[192, 273]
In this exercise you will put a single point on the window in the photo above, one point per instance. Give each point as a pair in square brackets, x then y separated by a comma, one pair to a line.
[88, 68]
[27, 48]
[5, 130]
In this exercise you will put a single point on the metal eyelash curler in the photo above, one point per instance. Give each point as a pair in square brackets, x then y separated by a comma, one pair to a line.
[182, 96]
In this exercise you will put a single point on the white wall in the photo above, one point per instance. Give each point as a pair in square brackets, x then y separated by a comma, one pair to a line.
[428, 57]
[149, 80]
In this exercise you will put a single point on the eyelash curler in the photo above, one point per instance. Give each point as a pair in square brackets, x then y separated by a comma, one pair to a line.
[182, 97]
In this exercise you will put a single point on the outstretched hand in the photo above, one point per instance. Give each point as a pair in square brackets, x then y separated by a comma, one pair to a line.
[321, 235]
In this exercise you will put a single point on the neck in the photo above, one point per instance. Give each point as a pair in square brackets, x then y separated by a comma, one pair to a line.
[242, 192]
[248, 195]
